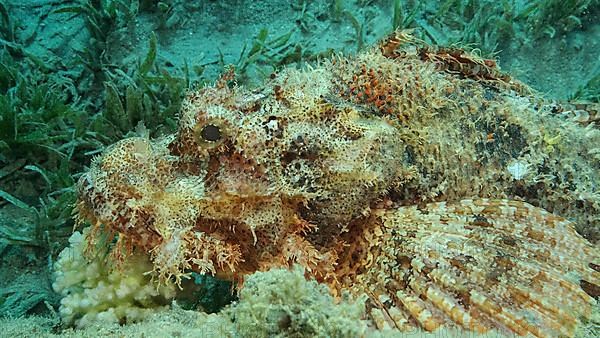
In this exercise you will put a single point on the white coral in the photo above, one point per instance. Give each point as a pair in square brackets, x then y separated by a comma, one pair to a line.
[94, 292]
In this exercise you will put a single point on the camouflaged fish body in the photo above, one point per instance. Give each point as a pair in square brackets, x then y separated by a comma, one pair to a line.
[391, 173]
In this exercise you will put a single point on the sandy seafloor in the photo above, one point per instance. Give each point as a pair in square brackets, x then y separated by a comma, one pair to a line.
[201, 33]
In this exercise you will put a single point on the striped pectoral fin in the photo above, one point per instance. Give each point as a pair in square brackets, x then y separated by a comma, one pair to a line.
[486, 264]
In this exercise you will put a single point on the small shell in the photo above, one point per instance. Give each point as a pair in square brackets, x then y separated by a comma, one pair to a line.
[518, 169]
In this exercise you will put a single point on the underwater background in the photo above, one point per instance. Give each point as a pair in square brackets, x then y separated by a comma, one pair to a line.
[77, 76]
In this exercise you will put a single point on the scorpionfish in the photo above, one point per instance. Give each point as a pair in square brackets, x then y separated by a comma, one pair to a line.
[447, 192]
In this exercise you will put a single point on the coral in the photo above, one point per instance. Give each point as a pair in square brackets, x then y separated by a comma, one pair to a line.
[408, 199]
[279, 303]
[94, 291]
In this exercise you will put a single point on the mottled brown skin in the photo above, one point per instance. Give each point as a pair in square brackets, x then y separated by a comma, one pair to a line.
[321, 168]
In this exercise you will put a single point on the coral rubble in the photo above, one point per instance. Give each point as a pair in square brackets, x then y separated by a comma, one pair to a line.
[282, 303]
[389, 174]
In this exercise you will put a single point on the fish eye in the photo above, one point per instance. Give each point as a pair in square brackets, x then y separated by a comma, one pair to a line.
[211, 133]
